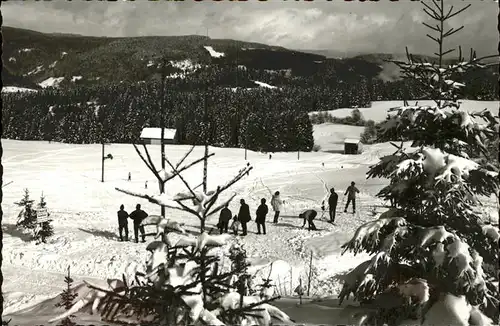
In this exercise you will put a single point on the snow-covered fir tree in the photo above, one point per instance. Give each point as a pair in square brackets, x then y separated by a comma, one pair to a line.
[67, 298]
[434, 255]
[27, 215]
[44, 228]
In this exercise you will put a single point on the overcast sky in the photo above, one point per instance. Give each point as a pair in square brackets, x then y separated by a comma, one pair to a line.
[356, 26]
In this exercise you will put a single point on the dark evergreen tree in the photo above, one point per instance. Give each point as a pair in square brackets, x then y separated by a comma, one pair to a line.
[44, 227]
[67, 298]
[27, 217]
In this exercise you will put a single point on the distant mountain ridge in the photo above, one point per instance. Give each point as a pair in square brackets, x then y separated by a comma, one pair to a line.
[31, 57]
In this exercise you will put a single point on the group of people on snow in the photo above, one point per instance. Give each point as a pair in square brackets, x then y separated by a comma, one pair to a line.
[243, 216]
[136, 216]
[241, 219]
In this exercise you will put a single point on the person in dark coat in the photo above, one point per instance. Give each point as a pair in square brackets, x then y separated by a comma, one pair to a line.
[123, 222]
[224, 218]
[244, 216]
[137, 216]
[261, 213]
[308, 217]
[332, 204]
[351, 197]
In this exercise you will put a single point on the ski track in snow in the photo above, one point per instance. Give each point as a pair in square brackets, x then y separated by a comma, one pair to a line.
[85, 222]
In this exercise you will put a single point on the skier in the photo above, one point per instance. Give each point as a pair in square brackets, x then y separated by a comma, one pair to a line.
[261, 213]
[332, 204]
[224, 218]
[235, 225]
[137, 216]
[123, 222]
[129, 176]
[308, 217]
[277, 204]
[244, 216]
[351, 197]
[146, 185]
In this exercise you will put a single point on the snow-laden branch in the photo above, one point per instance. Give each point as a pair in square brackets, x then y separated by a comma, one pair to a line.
[161, 199]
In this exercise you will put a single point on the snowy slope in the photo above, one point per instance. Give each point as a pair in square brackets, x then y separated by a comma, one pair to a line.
[85, 223]
[378, 109]
[214, 53]
[13, 89]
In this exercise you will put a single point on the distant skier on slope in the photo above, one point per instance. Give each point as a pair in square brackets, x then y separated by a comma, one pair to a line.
[277, 204]
[351, 197]
[244, 216]
[122, 222]
[308, 217]
[224, 218]
[332, 204]
[137, 216]
[261, 213]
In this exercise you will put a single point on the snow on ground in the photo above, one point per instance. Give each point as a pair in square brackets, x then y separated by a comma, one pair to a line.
[12, 59]
[51, 82]
[214, 53]
[63, 54]
[11, 89]
[379, 109]
[53, 64]
[25, 50]
[35, 71]
[75, 78]
[264, 84]
[84, 210]
[330, 136]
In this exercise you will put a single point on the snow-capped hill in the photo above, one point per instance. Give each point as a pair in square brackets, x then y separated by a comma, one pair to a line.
[35, 71]
[262, 84]
[14, 89]
[214, 53]
[51, 82]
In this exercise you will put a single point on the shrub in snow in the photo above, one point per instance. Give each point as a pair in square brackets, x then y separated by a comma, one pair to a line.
[67, 298]
[433, 252]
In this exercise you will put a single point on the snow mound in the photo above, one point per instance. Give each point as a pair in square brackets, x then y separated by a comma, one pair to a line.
[51, 82]
[262, 84]
[214, 53]
[15, 89]
[75, 78]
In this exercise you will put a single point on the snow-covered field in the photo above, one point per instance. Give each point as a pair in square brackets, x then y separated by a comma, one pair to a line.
[84, 210]
[14, 89]
[330, 136]
[85, 222]
[379, 109]
[214, 53]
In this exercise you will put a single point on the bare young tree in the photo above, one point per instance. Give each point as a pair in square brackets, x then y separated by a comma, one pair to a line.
[203, 203]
